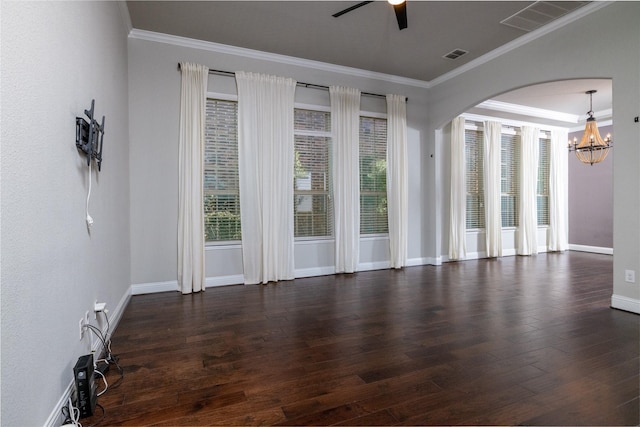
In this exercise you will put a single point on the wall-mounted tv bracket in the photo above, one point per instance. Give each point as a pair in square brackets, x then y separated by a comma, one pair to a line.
[89, 136]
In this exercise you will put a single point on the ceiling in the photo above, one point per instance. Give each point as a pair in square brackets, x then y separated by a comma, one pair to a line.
[368, 38]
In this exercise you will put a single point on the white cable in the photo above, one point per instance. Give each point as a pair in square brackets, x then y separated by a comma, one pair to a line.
[106, 385]
[89, 219]
[74, 414]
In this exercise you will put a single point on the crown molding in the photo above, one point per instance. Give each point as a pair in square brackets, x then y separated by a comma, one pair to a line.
[521, 41]
[273, 57]
[528, 111]
[124, 15]
[602, 123]
[510, 122]
[358, 72]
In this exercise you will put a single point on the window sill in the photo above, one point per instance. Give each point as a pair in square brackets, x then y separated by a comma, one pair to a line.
[227, 244]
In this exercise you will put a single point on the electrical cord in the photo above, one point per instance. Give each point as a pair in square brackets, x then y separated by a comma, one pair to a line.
[70, 412]
[67, 416]
[104, 313]
[98, 333]
[72, 417]
[106, 384]
[109, 357]
[89, 219]
[104, 412]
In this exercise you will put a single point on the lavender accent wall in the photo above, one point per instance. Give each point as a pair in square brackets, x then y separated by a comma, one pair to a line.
[591, 198]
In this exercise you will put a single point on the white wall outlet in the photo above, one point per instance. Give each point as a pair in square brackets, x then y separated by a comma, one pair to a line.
[98, 307]
[83, 321]
[630, 276]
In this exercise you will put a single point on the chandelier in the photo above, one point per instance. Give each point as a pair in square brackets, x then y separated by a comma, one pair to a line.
[592, 148]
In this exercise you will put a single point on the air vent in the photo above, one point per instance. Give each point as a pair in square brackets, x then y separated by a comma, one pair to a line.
[455, 54]
[541, 13]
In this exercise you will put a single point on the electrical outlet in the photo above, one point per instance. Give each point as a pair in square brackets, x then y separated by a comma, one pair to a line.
[83, 321]
[98, 307]
[630, 276]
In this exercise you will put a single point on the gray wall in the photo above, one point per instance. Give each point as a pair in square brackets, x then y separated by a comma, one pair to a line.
[56, 57]
[154, 105]
[591, 199]
[569, 52]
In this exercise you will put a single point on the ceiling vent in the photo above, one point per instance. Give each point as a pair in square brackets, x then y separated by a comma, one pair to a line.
[541, 13]
[455, 54]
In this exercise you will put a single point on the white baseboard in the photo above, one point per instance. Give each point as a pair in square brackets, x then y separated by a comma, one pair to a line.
[315, 271]
[153, 287]
[505, 252]
[212, 282]
[238, 279]
[369, 266]
[625, 303]
[172, 285]
[56, 418]
[509, 252]
[592, 249]
[543, 249]
[412, 262]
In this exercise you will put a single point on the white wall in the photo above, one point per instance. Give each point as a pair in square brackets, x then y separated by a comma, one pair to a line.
[56, 57]
[570, 52]
[154, 105]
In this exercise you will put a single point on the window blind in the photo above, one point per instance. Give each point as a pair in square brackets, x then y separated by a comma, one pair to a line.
[475, 182]
[510, 165]
[221, 195]
[373, 175]
[510, 146]
[313, 208]
[543, 182]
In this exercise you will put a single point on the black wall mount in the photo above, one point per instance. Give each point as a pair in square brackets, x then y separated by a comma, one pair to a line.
[89, 136]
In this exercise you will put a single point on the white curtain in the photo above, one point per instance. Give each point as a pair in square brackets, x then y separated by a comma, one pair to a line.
[492, 188]
[193, 94]
[558, 191]
[345, 129]
[265, 157]
[397, 179]
[527, 235]
[458, 208]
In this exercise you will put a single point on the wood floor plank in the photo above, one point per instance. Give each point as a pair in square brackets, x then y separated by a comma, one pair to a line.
[508, 341]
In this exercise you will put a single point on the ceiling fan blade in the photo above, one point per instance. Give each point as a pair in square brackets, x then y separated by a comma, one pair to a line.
[401, 14]
[354, 7]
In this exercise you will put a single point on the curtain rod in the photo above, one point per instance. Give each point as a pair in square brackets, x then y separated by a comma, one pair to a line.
[301, 84]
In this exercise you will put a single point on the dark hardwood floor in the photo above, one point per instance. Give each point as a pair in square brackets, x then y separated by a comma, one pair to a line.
[516, 340]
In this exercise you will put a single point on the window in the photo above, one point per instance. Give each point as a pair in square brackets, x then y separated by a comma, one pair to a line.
[313, 209]
[509, 180]
[475, 181]
[543, 182]
[221, 187]
[373, 175]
